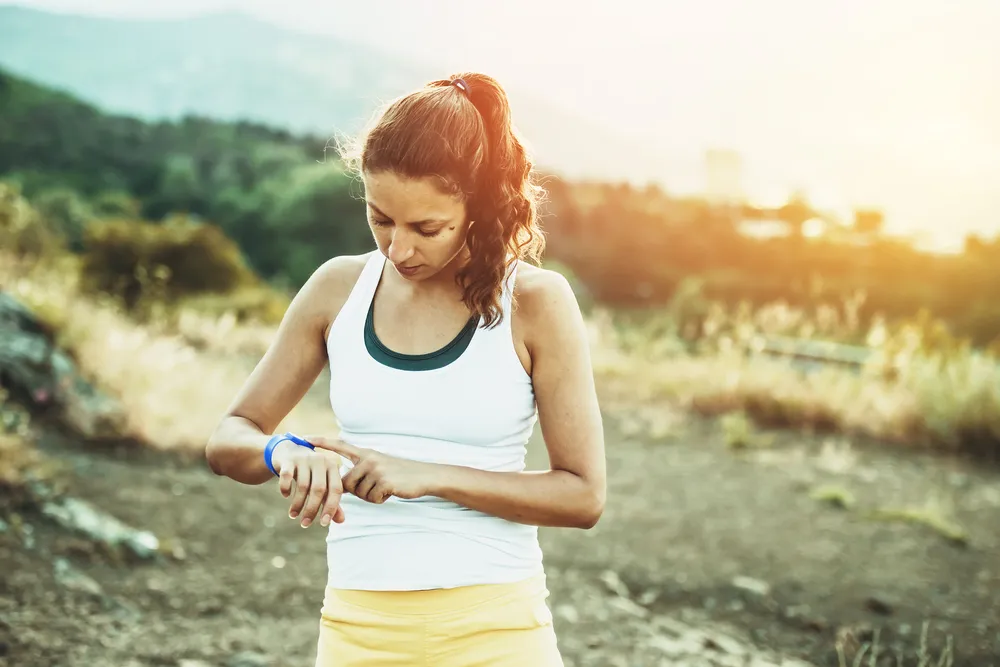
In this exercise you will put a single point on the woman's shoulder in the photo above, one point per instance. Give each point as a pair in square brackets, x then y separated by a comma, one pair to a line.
[544, 300]
[330, 285]
[536, 286]
[342, 271]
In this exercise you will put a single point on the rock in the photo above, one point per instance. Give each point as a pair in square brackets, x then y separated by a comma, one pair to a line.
[649, 596]
[82, 517]
[248, 659]
[629, 607]
[724, 644]
[42, 377]
[675, 648]
[614, 583]
[878, 606]
[567, 612]
[751, 585]
[74, 579]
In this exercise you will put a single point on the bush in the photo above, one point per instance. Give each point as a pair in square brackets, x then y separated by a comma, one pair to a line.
[137, 261]
[22, 230]
[66, 212]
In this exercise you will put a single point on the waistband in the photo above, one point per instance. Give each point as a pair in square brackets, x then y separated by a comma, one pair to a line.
[440, 600]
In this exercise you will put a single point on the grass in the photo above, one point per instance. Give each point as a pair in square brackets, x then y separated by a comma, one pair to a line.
[177, 370]
[869, 654]
[945, 397]
[931, 516]
[174, 378]
[834, 495]
[191, 360]
[22, 466]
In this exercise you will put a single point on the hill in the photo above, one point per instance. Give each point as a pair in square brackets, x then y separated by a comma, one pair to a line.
[231, 67]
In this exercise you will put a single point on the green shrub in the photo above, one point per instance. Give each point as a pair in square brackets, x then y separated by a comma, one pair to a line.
[138, 261]
[22, 230]
[66, 212]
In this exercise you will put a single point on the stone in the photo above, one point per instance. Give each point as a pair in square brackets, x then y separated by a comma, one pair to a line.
[751, 585]
[878, 605]
[75, 580]
[614, 583]
[248, 659]
[82, 517]
[42, 377]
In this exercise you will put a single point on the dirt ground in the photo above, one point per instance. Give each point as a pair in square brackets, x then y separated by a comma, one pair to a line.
[704, 556]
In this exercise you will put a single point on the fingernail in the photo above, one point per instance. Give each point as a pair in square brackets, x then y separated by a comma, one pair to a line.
[306, 522]
[325, 521]
[292, 515]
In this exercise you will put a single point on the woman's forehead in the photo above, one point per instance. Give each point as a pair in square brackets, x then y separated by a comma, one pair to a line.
[410, 199]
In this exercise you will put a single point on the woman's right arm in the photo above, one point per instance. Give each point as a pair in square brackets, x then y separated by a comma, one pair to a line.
[282, 377]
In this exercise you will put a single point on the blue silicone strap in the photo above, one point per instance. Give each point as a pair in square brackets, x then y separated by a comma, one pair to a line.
[274, 441]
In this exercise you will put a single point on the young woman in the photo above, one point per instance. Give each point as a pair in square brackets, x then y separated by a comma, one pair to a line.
[444, 346]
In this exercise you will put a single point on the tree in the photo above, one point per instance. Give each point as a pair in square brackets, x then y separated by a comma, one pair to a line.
[868, 221]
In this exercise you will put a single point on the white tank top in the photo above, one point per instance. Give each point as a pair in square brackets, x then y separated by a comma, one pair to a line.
[469, 404]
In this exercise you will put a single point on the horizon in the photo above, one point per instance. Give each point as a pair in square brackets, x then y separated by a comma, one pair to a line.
[886, 104]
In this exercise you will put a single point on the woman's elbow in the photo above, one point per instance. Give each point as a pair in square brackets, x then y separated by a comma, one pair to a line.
[590, 511]
[212, 455]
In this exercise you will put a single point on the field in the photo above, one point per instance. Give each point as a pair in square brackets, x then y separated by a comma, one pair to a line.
[726, 540]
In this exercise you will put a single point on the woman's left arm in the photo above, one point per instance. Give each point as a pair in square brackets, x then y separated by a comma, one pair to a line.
[572, 492]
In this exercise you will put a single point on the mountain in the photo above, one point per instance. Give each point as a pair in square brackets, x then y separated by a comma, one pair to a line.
[231, 67]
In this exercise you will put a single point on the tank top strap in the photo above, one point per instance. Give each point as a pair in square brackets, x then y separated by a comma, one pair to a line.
[361, 294]
[507, 296]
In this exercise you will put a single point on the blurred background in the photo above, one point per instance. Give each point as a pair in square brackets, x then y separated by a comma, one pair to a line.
[782, 220]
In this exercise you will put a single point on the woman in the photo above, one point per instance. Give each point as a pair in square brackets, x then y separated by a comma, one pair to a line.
[444, 347]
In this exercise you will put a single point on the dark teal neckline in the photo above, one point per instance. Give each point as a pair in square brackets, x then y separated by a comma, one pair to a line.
[417, 362]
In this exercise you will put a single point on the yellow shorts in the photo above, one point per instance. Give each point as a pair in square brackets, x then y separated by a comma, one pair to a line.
[492, 625]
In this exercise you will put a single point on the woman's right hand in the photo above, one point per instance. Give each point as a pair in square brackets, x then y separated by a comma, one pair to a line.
[311, 478]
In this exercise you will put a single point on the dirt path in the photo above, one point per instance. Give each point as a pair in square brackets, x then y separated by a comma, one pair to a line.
[703, 557]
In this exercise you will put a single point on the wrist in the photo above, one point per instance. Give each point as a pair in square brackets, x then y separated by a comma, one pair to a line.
[280, 451]
[276, 451]
[440, 480]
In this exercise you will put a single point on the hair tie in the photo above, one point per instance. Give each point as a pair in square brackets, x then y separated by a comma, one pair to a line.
[461, 85]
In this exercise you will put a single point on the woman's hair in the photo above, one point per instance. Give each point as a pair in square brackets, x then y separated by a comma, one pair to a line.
[459, 132]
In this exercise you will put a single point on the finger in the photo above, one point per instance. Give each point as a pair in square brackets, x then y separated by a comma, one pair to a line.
[338, 516]
[380, 493]
[351, 452]
[334, 491]
[317, 492]
[286, 478]
[365, 487]
[351, 479]
[303, 477]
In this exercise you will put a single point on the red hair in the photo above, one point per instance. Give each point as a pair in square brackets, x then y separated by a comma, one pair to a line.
[459, 132]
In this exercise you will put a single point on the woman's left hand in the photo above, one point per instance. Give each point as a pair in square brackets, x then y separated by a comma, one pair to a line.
[376, 477]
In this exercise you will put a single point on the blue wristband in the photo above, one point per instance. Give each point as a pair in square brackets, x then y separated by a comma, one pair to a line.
[274, 441]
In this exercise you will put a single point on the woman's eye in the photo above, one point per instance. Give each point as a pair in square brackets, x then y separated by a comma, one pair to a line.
[430, 234]
[381, 223]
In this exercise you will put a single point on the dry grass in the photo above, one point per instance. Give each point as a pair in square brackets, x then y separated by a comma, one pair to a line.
[944, 398]
[871, 654]
[933, 515]
[174, 385]
[834, 495]
[176, 373]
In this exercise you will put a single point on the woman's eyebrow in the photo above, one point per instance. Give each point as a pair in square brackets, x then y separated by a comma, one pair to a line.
[417, 222]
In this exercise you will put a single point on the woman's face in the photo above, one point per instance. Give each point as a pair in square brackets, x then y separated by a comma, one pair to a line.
[419, 228]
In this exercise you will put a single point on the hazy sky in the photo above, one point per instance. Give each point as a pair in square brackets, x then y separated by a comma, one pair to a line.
[893, 102]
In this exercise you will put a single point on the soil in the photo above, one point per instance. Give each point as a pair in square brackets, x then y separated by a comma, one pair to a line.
[704, 556]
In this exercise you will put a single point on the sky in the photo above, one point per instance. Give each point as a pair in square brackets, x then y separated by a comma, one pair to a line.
[889, 103]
